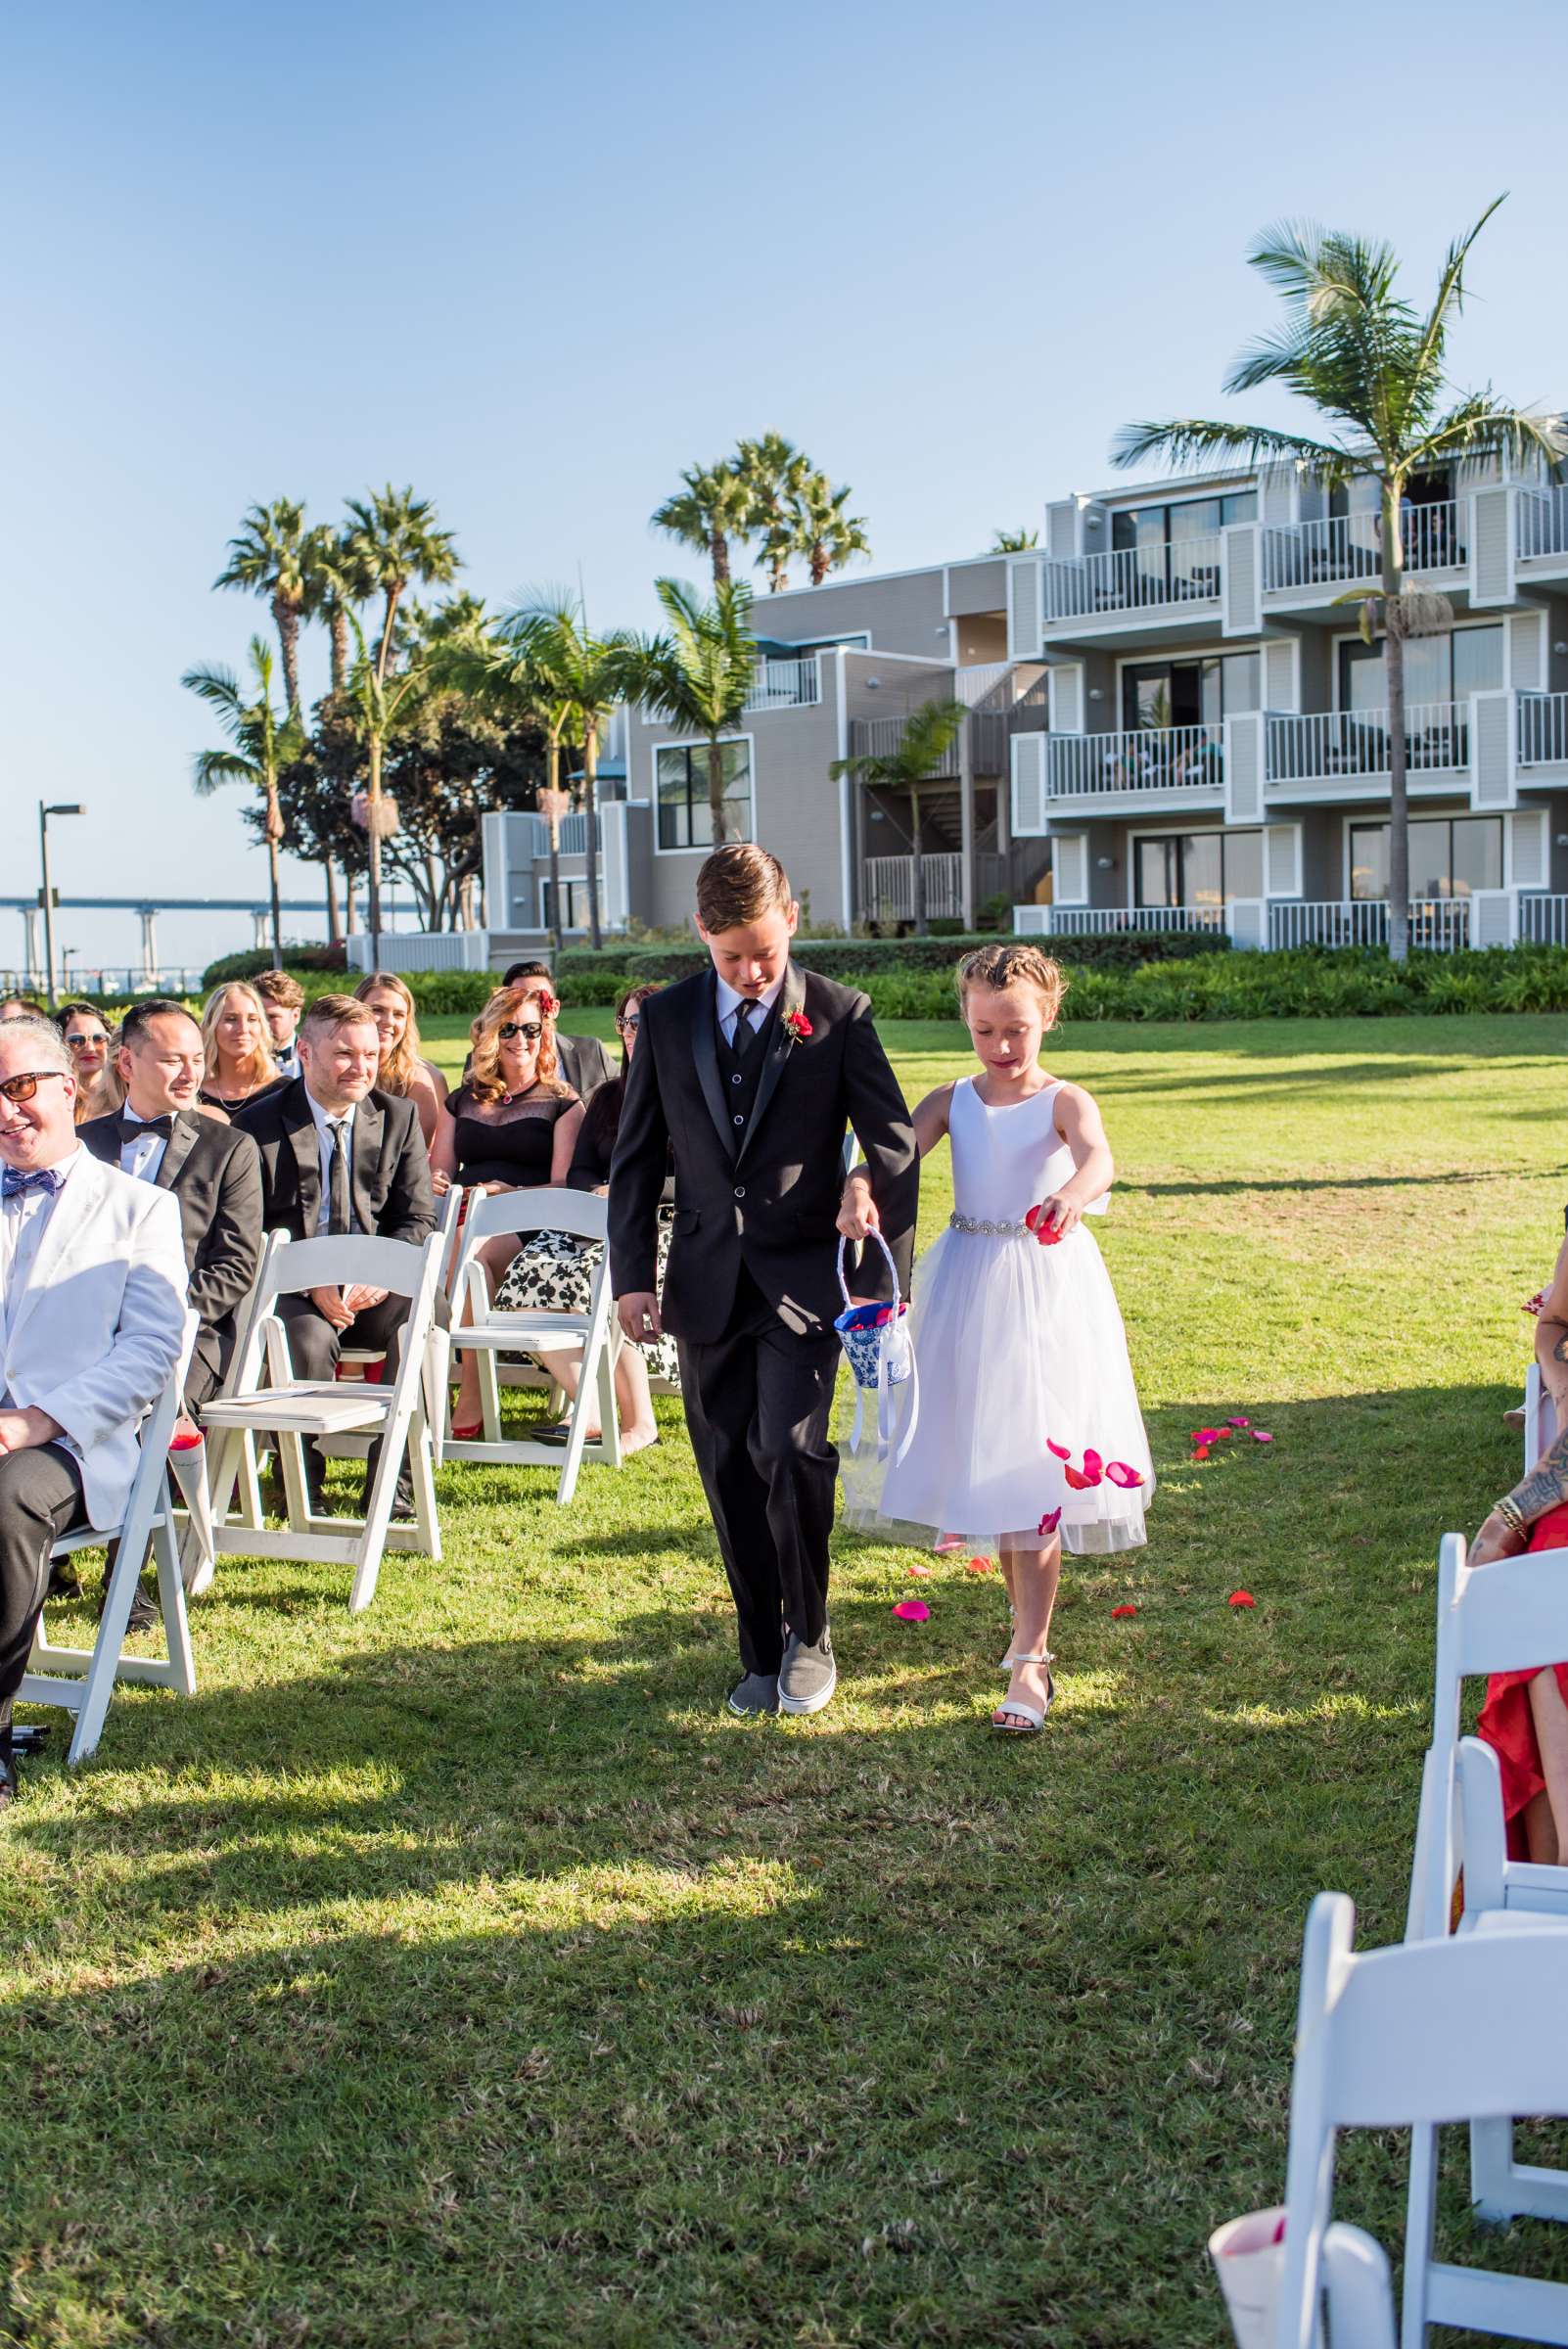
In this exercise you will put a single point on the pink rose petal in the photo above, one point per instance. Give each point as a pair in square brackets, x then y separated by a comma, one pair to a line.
[1049, 1522]
[912, 1610]
[1092, 1464]
[1121, 1473]
[1241, 1598]
[1261, 1435]
[914, 1569]
[1059, 1449]
[1240, 1423]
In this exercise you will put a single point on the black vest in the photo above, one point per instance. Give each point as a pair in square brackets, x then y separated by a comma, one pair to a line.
[740, 1078]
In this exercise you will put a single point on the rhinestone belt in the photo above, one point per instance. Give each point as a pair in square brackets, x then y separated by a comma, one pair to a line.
[990, 1231]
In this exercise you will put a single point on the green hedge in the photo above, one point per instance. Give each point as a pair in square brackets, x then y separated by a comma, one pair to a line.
[301, 960]
[1124, 950]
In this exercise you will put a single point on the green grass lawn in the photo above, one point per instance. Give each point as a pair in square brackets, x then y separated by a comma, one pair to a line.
[461, 1974]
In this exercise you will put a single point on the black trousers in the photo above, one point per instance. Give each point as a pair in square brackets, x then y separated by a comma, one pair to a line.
[40, 1499]
[314, 1345]
[758, 1405]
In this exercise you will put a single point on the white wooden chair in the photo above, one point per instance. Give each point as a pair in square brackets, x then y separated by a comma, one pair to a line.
[299, 1409]
[437, 1356]
[1412, 2037]
[198, 1549]
[488, 1333]
[1499, 1618]
[83, 1678]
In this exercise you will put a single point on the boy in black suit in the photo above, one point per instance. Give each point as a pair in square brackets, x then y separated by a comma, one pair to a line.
[212, 1169]
[753, 1069]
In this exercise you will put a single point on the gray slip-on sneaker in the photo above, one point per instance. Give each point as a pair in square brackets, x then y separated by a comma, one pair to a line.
[757, 1693]
[808, 1675]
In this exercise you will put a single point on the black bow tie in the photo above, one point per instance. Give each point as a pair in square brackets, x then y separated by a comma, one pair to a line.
[132, 1128]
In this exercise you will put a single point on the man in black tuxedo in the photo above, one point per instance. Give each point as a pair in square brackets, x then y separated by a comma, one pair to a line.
[214, 1170]
[753, 1069]
[336, 1156]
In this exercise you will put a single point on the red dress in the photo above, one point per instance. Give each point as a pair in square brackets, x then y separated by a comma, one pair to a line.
[1506, 1722]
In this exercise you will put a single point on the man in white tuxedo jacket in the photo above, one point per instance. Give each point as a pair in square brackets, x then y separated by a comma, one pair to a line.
[92, 1314]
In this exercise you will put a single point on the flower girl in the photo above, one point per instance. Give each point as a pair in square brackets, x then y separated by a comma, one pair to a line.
[1029, 1432]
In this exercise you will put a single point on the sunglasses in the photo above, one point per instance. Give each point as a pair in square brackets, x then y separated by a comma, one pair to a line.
[528, 1029]
[631, 1022]
[23, 1088]
[84, 1043]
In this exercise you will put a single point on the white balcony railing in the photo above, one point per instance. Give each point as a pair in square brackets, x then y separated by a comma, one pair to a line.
[1099, 921]
[1542, 921]
[1349, 547]
[785, 685]
[1542, 729]
[977, 680]
[1185, 760]
[535, 841]
[1443, 923]
[1338, 743]
[1542, 526]
[887, 888]
[1130, 579]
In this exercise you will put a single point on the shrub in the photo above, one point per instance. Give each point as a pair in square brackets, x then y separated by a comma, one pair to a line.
[255, 959]
[838, 957]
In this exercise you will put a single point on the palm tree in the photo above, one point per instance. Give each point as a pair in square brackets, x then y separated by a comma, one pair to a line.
[713, 507]
[260, 744]
[701, 674]
[590, 675]
[776, 472]
[499, 674]
[379, 703]
[273, 555]
[825, 534]
[1014, 542]
[927, 737]
[340, 583]
[392, 540]
[1373, 367]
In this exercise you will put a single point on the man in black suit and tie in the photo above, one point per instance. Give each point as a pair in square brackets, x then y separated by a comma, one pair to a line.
[336, 1156]
[754, 1068]
[214, 1170]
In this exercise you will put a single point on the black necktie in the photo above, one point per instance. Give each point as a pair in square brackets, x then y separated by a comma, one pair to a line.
[745, 1035]
[131, 1128]
[338, 1191]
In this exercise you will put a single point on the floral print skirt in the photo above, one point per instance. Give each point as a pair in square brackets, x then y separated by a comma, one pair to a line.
[553, 1273]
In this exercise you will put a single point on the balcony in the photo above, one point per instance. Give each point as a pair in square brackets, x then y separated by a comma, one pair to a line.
[1164, 764]
[1542, 738]
[1180, 577]
[1540, 525]
[785, 685]
[1440, 924]
[1342, 746]
[1104, 921]
[1345, 548]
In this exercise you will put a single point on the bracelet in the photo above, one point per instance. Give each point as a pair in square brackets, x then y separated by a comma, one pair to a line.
[1512, 1515]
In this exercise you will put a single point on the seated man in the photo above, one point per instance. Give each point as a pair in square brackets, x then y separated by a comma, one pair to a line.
[92, 1314]
[283, 1000]
[338, 1157]
[215, 1172]
[584, 1063]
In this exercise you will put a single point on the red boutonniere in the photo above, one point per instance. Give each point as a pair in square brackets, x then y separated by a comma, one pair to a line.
[799, 1026]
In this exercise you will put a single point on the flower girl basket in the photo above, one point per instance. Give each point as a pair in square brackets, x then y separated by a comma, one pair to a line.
[880, 1353]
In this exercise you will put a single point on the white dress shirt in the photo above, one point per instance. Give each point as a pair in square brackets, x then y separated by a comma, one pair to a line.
[286, 1057]
[757, 1006]
[143, 1153]
[325, 1120]
[23, 1221]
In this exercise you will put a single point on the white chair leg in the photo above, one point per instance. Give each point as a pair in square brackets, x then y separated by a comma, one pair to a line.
[296, 1492]
[608, 1415]
[250, 1480]
[378, 1516]
[1420, 2219]
[98, 1687]
[177, 1623]
[419, 1463]
[438, 1392]
[1491, 2171]
[490, 1387]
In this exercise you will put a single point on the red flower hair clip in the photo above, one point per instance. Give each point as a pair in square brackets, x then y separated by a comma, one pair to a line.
[799, 1026]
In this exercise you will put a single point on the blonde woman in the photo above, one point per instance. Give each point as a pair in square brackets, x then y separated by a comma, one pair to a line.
[237, 1043]
[391, 1005]
[510, 1125]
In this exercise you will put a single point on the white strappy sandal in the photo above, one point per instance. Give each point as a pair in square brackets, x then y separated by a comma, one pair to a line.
[1033, 1717]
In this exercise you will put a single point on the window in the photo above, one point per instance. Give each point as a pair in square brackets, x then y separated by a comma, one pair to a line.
[1188, 693]
[574, 905]
[1437, 668]
[686, 821]
[1173, 550]
[1449, 856]
[1197, 869]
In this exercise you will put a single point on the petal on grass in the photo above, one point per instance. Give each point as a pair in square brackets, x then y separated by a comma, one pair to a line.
[914, 1568]
[1127, 1608]
[1261, 1435]
[1241, 1598]
[912, 1610]
[980, 1565]
[1234, 1422]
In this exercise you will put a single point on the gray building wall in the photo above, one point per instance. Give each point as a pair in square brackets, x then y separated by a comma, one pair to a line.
[904, 613]
[979, 586]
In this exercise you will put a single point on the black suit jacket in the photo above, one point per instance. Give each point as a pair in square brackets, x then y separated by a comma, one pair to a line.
[215, 1172]
[770, 1201]
[388, 1167]
[586, 1064]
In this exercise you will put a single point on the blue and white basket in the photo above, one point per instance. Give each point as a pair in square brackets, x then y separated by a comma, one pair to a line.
[880, 1354]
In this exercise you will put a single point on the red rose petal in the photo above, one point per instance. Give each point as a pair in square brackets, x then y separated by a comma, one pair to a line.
[980, 1566]
[1049, 1522]
[1261, 1435]
[1242, 1422]
[1059, 1449]
[1201, 1451]
[1241, 1598]
[1093, 1462]
[1076, 1483]
[912, 1610]
[1121, 1473]
[1127, 1609]
[1032, 1219]
[914, 1569]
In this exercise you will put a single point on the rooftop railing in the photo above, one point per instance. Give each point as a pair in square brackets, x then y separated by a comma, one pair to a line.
[785, 685]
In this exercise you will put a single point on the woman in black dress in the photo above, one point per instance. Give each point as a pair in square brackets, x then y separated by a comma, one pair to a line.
[512, 1125]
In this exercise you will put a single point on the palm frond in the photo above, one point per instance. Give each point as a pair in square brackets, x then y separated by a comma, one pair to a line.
[211, 769]
[1449, 296]
[218, 687]
[1483, 426]
[1191, 445]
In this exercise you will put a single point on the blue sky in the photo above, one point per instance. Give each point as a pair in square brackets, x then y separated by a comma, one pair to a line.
[534, 261]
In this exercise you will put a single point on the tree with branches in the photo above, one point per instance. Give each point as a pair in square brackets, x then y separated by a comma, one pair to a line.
[928, 732]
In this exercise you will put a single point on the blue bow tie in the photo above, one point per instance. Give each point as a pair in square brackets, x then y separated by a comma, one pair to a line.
[13, 1182]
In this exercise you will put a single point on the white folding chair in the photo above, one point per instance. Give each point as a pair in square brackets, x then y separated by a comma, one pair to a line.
[1412, 2037]
[1499, 1618]
[1539, 1417]
[198, 1551]
[300, 1409]
[83, 1678]
[488, 1332]
[438, 1357]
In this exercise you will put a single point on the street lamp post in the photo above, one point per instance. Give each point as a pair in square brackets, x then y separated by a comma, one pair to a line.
[46, 894]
